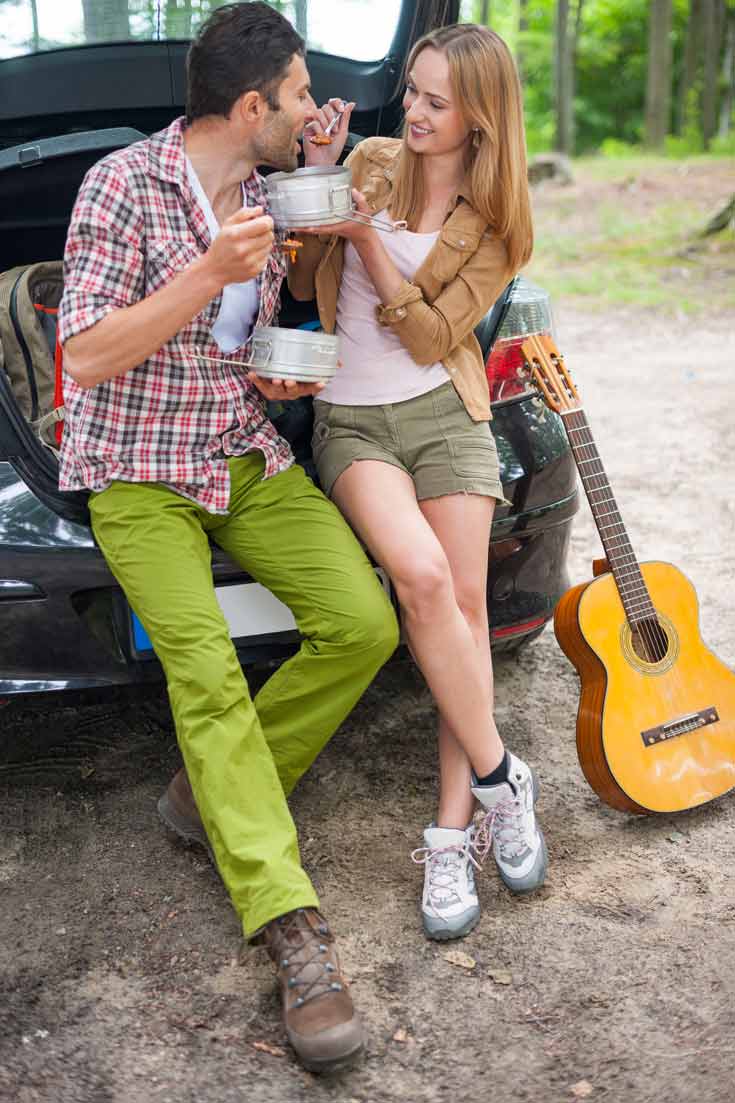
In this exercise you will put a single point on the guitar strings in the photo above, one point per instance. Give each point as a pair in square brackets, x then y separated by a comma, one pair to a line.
[650, 632]
[597, 481]
[594, 482]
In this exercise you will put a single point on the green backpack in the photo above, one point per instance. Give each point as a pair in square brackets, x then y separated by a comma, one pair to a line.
[29, 303]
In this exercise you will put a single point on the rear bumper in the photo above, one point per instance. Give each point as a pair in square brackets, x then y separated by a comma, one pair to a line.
[74, 632]
[65, 624]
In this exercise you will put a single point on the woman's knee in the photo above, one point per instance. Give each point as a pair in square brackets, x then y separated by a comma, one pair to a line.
[472, 602]
[425, 588]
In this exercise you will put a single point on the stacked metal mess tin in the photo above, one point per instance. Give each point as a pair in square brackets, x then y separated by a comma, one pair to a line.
[320, 195]
[293, 354]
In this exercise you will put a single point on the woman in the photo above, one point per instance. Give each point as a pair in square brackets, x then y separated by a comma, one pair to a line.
[402, 442]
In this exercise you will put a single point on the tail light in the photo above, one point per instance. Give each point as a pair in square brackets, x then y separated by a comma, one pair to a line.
[529, 312]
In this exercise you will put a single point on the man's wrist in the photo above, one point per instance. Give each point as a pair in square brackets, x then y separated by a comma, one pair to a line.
[203, 270]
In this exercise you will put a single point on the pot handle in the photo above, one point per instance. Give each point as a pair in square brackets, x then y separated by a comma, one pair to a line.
[371, 220]
[241, 363]
[358, 216]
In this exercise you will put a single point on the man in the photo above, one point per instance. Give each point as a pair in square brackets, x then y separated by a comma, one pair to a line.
[170, 260]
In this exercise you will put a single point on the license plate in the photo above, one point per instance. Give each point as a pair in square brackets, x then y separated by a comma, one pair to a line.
[251, 612]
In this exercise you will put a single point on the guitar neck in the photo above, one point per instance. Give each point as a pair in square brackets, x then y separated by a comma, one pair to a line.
[618, 548]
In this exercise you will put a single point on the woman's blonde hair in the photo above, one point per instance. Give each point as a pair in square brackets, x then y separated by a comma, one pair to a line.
[488, 93]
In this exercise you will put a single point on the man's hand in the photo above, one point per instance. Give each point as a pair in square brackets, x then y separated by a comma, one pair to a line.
[320, 120]
[280, 390]
[242, 247]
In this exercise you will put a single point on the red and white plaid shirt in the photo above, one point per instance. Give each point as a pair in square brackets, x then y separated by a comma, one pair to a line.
[175, 418]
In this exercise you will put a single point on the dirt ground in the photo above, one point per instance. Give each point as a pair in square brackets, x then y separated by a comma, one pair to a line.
[123, 978]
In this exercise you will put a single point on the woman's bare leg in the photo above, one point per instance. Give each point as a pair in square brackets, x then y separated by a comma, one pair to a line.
[379, 501]
[462, 523]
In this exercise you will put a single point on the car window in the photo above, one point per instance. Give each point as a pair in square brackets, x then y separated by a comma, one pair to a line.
[359, 29]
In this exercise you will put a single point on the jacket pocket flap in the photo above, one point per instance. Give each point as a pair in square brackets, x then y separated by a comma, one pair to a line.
[464, 241]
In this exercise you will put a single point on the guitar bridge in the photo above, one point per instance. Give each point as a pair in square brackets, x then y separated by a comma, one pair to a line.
[680, 726]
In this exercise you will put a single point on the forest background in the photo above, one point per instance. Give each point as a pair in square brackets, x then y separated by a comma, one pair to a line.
[608, 75]
[598, 75]
[639, 95]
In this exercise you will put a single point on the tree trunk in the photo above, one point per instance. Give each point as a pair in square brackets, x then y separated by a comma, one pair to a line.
[34, 16]
[564, 137]
[522, 28]
[300, 17]
[690, 67]
[485, 13]
[178, 19]
[105, 22]
[574, 51]
[724, 218]
[658, 87]
[728, 75]
[711, 51]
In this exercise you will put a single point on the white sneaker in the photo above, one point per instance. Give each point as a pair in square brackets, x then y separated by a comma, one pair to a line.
[449, 906]
[509, 826]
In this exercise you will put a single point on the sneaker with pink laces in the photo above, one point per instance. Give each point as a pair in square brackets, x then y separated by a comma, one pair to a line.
[449, 905]
[508, 826]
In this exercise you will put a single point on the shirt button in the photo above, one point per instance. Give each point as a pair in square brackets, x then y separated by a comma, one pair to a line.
[461, 243]
[401, 312]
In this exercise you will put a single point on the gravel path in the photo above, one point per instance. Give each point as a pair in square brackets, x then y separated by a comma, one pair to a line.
[122, 975]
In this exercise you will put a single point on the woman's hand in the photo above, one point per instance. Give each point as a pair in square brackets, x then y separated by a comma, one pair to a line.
[282, 390]
[356, 232]
[329, 152]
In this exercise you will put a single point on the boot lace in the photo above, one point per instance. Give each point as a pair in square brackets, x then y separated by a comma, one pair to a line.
[505, 824]
[303, 950]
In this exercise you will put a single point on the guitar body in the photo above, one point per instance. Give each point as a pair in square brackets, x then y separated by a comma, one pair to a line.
[651, 737]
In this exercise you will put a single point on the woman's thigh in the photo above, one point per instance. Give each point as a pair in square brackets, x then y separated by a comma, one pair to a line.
[379, 501]
[461, 524]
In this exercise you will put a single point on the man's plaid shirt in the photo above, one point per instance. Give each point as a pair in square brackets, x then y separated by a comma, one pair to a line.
[175, 418]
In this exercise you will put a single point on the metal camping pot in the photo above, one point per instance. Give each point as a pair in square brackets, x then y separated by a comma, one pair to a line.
[293, 354]
[297, 354]
[316, 196]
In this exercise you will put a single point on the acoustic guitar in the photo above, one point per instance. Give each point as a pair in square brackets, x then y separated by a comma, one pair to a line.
[656, 719]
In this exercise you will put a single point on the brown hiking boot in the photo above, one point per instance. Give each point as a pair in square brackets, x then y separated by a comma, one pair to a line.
[320, 1021]
[177, 808]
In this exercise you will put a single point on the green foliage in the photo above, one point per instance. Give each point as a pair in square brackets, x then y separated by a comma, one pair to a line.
[723, 147]
[610, 245]
[610, 73]
[683, 145]
[613, 147]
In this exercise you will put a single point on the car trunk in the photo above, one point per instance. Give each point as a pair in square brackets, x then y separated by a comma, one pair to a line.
[55, 128]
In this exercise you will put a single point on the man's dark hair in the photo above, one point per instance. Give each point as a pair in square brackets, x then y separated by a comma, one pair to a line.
[242, 47]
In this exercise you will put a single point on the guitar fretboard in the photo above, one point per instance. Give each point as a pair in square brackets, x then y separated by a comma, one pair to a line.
[618, 548]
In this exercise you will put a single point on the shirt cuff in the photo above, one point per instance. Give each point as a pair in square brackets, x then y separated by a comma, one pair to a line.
[396, 309]
[76, 319]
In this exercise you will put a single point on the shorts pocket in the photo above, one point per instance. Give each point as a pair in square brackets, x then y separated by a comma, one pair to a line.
[319, 436]
[332, 414]
[474, 456]
[330, 420]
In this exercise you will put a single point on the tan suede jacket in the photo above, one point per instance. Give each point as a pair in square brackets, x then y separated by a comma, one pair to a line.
[435, 315]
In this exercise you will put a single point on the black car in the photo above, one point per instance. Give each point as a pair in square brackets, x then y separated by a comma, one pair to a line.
[64, 622]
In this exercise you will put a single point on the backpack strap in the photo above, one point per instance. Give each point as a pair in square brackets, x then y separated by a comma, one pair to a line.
[55, 417]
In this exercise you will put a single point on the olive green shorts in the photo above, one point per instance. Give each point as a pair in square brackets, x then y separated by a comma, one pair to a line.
[432, 438]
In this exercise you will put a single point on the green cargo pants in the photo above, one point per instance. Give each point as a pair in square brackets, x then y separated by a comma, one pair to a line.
[243, 758]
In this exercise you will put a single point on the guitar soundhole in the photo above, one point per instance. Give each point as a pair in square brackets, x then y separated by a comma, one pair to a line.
[650, 641]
